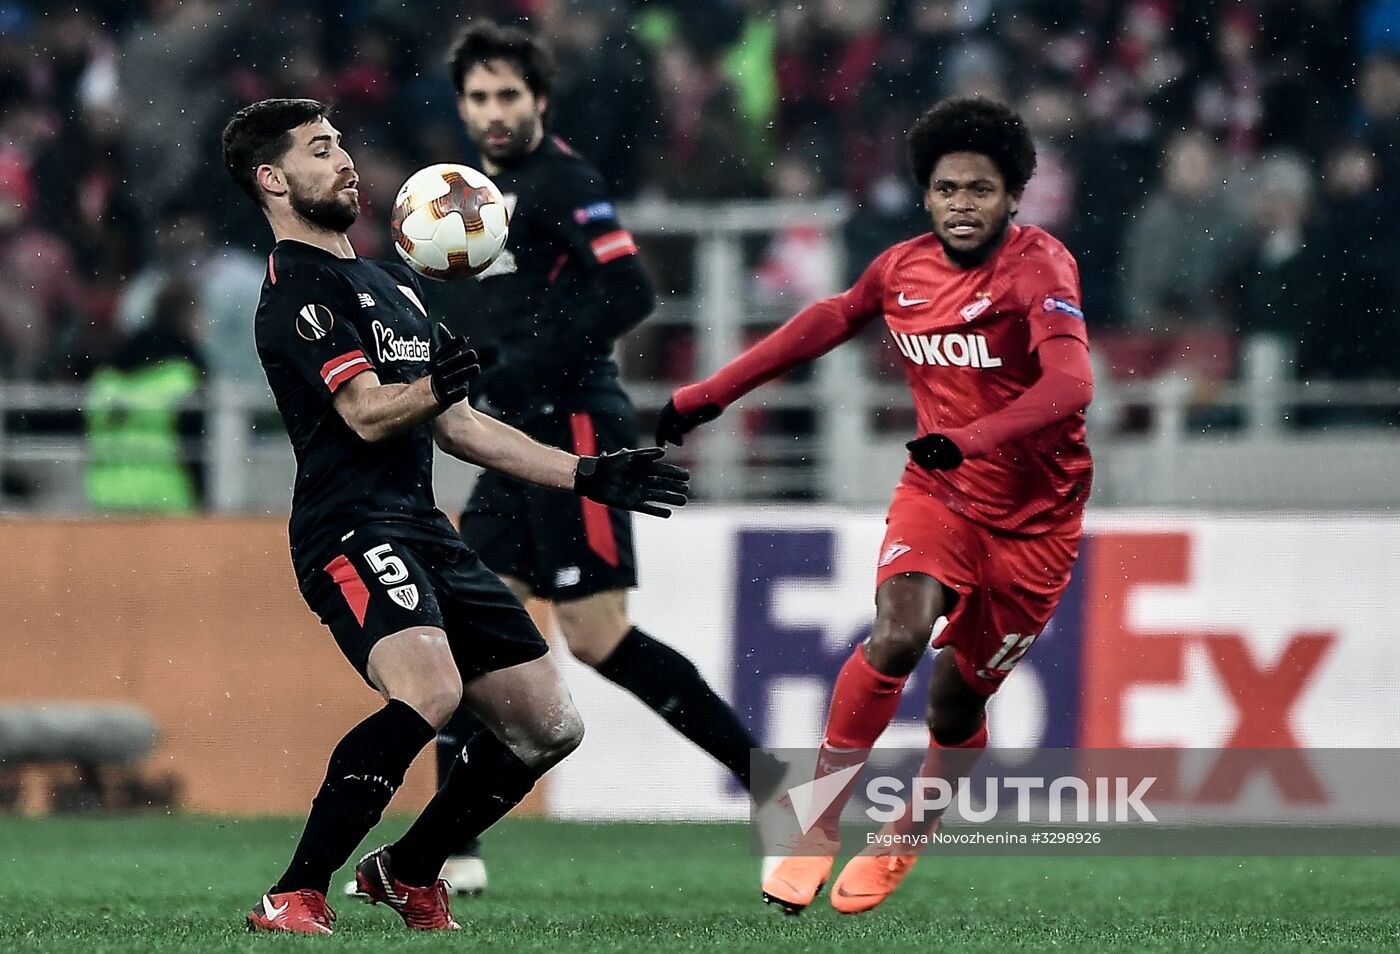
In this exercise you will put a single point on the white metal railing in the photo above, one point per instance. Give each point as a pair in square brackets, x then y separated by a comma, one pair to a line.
[248, 467]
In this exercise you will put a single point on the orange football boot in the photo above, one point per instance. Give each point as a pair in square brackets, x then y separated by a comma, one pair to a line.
[796, 880]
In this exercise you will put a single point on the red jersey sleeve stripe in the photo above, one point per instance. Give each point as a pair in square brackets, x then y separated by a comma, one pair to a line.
[613, 245]
[338, 370]
[271, 268]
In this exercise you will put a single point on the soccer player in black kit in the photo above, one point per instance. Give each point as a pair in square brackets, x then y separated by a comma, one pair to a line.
[365, 387]
[567, 286]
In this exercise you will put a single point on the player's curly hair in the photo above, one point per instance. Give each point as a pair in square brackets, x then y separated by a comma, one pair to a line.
[262, 133]
[973, 125]
[484, 40]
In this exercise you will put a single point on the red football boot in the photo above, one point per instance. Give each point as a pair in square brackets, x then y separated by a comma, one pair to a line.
[423, 909]
[301, 912]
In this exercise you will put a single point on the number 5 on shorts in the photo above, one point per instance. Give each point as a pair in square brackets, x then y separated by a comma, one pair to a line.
[390, 568]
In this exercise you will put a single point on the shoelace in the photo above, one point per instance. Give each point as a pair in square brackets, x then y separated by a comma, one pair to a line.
[317, 905]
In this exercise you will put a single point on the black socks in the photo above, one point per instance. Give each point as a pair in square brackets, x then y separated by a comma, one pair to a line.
[365, 771]
[671, 685]
[485, 781]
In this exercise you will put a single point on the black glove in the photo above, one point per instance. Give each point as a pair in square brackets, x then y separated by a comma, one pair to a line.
[672, 425]
[935, 452]
[452, 368]
[633, 480]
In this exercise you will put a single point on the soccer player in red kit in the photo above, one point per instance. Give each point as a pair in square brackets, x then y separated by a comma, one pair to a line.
[985, 522]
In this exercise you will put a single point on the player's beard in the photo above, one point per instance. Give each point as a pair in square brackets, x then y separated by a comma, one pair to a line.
[978, 254]
[522, 139]
[334, 213]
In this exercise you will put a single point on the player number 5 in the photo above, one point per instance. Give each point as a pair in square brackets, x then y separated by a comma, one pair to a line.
[390, 568]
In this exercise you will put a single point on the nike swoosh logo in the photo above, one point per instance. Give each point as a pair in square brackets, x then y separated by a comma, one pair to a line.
[273, 913]
[906, 302]
[856, 894]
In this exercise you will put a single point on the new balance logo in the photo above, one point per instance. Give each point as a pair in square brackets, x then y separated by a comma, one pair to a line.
[961, 351]
[365, 299]
[811, 799]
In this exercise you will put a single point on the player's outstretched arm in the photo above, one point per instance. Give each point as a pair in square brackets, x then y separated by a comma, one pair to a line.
[376, 411]
[809, 334]
[630, 480]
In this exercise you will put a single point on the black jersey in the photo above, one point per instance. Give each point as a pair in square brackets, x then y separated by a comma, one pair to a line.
[542, 299]
[321, 321]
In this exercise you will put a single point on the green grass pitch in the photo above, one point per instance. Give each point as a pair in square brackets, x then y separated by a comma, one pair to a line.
[153, 884]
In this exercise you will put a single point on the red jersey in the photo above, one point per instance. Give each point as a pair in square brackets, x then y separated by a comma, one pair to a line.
[968, 340]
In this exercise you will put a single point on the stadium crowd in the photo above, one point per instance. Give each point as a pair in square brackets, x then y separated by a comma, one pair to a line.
[1215, 166]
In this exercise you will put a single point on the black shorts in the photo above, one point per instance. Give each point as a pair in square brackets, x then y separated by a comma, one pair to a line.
[379, 581]
[562, 546]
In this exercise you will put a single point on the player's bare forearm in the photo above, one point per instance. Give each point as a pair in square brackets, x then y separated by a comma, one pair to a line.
[377, 412]
[477, 438]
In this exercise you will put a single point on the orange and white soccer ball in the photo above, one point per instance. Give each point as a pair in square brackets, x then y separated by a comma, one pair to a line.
[449, 221]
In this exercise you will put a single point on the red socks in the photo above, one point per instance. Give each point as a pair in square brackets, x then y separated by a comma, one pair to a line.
[862, 704]
[949, 762]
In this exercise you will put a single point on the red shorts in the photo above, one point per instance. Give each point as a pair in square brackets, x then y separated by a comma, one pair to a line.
[1008, 586]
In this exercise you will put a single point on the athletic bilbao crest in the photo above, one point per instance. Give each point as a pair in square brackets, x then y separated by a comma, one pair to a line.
[406, 595]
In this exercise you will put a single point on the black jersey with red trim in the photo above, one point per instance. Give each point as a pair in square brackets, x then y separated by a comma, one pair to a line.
[539, 301]
[321, 321]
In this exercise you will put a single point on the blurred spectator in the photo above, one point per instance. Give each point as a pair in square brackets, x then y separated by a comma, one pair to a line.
[172, 102]
[602, 100]
[1356, 275]
[1278, 288]
[701, 158]
[799, 265]
[1183, 242]
[827, 56]
[1140, 84]
[1051, 198]
[226, 283]
[1309, 47]
[81, 182]
[1379, 119]
[138, 430]
[39, 299]
[1229, 93]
